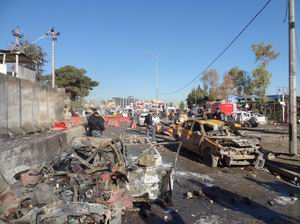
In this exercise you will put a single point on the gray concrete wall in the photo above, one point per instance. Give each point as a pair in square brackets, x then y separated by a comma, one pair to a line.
[13, 105]
[19, 155]
[25, 73]
[25, 107]
[35, 108]
[43, 108]
[3, 108]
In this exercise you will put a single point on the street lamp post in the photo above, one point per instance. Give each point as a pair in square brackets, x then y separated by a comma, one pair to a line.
[156, 56]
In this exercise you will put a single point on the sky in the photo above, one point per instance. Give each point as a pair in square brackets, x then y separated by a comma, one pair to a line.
[109, 40]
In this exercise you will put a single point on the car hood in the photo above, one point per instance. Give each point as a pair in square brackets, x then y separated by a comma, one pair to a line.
[243, 142]
[238, 141]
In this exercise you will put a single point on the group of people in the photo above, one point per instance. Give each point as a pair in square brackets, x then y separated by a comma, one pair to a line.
[95, 125]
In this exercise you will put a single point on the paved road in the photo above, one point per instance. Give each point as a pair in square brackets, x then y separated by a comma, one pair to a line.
[231, 195]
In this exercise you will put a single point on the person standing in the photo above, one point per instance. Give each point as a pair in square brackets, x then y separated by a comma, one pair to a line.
[150, 125]
[95, 125]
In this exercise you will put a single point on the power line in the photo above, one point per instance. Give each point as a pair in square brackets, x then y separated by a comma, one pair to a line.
[223, 51]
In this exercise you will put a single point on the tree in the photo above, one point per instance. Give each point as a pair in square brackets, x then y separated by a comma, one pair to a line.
[34, 52]
[227, 87]
[210, 81]
[249, 86]
[75, 81]
[181, 106]
[264, 53]
[238, 78]
[197, 96]
[242, 83]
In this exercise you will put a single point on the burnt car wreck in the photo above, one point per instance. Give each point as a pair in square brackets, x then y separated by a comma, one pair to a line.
[218, 142]
[93, 181]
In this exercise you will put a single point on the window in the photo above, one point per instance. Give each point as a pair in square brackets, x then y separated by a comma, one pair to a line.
[208, 128]
[196, 127]
[187, 125]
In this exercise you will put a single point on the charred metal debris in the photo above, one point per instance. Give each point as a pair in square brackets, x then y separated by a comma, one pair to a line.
[93, 181]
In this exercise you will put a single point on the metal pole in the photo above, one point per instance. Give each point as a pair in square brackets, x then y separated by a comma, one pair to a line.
[53, 63]
[156, 69]
[283, 106]
[17, 65]
[195, 98]
[292, 81]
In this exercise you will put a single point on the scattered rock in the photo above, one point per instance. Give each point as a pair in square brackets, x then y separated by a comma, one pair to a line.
[284, 200]
[189, 195]
[270, 202]
[198, 193]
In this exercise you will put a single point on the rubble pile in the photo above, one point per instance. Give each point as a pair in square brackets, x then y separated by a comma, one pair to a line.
[90, 182]
[133, 139]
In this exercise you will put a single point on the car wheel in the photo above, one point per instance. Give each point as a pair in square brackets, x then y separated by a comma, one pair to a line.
[210, 159]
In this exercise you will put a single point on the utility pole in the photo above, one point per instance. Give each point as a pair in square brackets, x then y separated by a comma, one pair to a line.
[195, 98]
[156, 72]
[292, 81]
[156, 56]
[54, 36]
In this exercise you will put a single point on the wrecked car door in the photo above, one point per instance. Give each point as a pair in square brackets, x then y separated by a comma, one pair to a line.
[196, 137]
[185, 132]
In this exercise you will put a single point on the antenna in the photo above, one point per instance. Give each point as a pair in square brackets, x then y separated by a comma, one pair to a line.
[18, 35]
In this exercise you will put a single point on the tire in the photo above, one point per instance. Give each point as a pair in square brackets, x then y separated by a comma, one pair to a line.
[210, 159]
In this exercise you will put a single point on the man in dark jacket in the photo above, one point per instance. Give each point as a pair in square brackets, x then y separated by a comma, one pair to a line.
[95, 125]
[150, 125]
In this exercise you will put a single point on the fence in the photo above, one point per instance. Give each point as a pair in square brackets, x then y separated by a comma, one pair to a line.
[26, 107]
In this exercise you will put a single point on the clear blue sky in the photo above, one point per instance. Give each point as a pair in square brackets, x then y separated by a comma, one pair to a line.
[109, 39]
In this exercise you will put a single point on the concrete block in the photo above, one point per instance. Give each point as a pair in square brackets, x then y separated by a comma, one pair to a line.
[43, 109]
[59, 107]
[13, 106]
[3, 107]
[22, 155]
[56, 143]
[35, 108]
[52, 99]
[27, 106]
[74, 132]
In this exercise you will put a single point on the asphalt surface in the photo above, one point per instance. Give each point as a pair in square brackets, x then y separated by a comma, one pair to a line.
[219, 195]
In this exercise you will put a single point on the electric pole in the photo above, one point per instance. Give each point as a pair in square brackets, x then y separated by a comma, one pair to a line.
[292, 81]
[54, 36]
[156, 56]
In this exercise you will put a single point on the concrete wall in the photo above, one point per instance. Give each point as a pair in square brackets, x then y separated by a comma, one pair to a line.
[25, 73]
[25, 107]
[19, 155]
[3, 107]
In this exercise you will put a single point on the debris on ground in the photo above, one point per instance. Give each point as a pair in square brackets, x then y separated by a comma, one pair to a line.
[284, 200]
[284, 165]
[189, 195]
[90, 182]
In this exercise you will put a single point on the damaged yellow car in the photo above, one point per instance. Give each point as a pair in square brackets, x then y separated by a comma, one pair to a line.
[218, 142]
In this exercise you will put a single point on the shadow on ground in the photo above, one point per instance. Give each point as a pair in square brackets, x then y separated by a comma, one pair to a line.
[235, 202]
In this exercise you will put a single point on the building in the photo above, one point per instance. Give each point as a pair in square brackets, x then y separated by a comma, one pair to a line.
[17, 64]
[124, 102]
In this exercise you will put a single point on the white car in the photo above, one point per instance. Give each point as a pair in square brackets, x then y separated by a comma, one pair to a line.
[241, 117]
[259, 118]
[141, 119]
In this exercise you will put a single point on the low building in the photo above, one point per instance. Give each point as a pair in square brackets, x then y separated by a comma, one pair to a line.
[17, 64]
